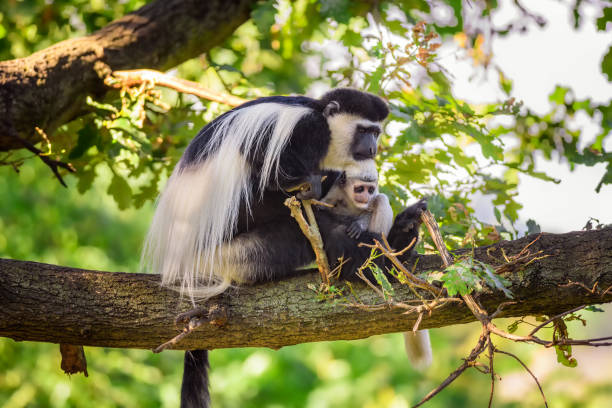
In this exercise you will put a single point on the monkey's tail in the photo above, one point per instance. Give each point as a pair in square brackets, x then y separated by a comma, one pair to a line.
[418, 349]
[194, 390]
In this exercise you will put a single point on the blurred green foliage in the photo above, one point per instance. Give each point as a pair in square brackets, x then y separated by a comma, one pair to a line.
[436, 145]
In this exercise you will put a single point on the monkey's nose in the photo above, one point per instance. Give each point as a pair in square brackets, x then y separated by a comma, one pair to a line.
[361, 194]
[365, 148]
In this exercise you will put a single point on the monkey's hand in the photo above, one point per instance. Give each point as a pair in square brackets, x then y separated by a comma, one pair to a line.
[410, 218]
[405, 229]
[354, 230]
[310, 188]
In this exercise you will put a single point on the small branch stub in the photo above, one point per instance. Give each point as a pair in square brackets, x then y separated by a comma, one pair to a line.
[120, 79]
[73, 359]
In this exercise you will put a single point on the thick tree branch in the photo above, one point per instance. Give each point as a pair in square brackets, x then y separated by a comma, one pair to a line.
[42, 302]
[49, 88]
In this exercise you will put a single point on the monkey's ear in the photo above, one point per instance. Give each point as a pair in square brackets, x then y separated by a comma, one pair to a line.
[331, 109]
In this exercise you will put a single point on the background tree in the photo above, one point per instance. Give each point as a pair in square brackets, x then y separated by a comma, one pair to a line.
[123, 144]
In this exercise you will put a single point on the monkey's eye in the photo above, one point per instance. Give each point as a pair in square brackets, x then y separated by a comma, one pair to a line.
[359, 189]
[371, 190]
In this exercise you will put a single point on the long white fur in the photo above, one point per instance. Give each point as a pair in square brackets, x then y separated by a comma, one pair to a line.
[418, 348]
[382, 216]
[198, 210]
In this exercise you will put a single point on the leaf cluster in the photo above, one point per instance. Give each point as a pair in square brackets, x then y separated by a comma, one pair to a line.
[469, 275]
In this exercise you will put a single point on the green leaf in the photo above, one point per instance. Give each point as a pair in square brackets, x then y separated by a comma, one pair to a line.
[442, 81]
[146, 193]
[558, 95]
[352, 39]
[263, 15]
[497, 214]
[459, 278]
[121, 191]
[512, 327]
[593, 308]
[606, 64]
[602, 22]
[88, 137]
[86, 178]
[102, 106]
[564, 356]
[505, 83]
[492, 279]
[396, 27]
[383, 282]
[336, 9]
[375, 79]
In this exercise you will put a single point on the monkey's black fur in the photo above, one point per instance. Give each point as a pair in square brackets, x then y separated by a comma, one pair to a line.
[194, 390]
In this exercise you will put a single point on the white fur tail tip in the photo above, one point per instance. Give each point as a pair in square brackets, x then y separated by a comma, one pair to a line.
[418, 349]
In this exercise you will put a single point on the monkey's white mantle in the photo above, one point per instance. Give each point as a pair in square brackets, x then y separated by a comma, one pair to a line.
[40, 302]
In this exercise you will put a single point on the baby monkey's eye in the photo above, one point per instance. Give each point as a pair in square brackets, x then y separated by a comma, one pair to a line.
[371, 190]
[359, 189]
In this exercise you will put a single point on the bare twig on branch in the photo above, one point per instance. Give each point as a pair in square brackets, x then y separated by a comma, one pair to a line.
[311, 230]
[129, 78]
[190, 327]
[528, 370]
[541, 21]
[594, 290]
[53, 164]
[470, 361]
[491, 370]
[413, 281]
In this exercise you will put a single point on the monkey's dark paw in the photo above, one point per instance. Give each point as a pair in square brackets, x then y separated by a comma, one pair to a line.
[329, 178]
[417, 208]
[311, 188]
[354, 230]
[411, 217]
[184, 318]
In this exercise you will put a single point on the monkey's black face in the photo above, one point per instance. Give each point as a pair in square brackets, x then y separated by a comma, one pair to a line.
[364, 143]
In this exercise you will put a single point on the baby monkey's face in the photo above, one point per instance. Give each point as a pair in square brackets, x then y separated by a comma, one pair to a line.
[360, 192]
[363, 192]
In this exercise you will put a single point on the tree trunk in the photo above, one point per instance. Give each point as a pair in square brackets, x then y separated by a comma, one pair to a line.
[57, 304]
[48, 88]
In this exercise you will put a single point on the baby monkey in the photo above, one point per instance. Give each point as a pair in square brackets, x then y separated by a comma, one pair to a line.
[357, 199]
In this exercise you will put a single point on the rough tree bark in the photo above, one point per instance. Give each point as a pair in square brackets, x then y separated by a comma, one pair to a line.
[49, 87]
[50, 303]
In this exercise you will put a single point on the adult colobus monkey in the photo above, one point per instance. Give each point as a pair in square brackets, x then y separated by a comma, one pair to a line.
[221, 218]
